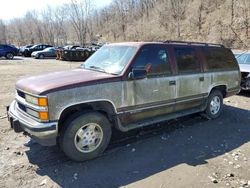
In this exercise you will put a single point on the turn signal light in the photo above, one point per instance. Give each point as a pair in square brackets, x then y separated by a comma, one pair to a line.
[44, 116]
[42, 102]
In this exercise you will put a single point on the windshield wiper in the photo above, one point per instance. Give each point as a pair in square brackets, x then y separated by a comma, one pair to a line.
[97, 68]
[92, 67]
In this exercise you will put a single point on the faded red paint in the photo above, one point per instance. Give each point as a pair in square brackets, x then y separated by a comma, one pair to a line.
[45, 83]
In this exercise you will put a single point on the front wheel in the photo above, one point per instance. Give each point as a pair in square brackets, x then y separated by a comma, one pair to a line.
[9, 56]
[41, 56]
[85, 136]
[214, 104]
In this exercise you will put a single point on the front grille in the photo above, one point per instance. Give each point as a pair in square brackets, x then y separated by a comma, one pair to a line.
[21, 107]
[21, 94]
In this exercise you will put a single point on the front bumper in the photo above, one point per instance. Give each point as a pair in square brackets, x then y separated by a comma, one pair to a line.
[34, 55]
[245, 84]
[44, 133]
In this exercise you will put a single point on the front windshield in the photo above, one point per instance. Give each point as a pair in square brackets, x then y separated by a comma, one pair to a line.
[243, 59]
[111, 59]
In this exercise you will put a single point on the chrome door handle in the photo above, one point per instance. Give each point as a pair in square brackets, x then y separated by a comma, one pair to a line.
[172, 82]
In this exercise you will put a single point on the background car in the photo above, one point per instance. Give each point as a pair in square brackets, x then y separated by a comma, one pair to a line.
[244, 63]
[23, 48]
[47, 52]
[38, 47]
[8, 51]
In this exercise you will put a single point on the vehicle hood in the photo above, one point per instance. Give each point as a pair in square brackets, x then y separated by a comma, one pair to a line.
[244, 68]
[46, 83]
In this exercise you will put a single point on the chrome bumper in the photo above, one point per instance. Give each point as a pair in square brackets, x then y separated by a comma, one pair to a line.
[44, 133]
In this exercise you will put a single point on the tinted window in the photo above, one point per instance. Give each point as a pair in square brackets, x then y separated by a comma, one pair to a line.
[187, 61]
[219, 58]
[154, 59]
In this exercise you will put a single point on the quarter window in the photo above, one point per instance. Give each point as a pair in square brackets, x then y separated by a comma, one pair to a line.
[219, 58]
[187, 61]
[154, 59]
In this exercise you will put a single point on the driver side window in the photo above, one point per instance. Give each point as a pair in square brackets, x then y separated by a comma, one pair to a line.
[154, 59]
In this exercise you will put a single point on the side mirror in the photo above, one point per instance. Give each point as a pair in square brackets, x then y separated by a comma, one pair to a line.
[137, 74]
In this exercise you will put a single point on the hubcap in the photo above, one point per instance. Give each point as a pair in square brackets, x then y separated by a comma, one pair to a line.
[215, 105]
[88, 137]
[9, 56]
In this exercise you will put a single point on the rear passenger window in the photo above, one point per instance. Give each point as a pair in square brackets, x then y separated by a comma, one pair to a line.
[155, 59]
[187, 61]
[218, 59]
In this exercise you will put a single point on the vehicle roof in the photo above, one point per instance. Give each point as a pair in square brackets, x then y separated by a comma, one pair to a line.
[183, 43]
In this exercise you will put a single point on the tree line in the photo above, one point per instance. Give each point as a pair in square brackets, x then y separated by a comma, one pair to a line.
[79, 22]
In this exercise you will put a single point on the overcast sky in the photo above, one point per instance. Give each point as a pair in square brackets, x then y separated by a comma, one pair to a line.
[17, 8]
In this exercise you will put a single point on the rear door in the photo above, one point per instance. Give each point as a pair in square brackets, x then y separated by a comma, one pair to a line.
[190, 79]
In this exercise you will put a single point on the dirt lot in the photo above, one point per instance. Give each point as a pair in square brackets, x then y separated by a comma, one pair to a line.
[188, 152]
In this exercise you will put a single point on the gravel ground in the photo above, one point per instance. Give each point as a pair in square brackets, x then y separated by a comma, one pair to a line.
[186, 152]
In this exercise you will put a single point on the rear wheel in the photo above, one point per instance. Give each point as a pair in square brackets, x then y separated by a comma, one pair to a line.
[214, 104]
[85, 136]
[9, 56]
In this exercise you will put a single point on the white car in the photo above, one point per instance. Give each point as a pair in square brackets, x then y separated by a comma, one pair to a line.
[243, 59]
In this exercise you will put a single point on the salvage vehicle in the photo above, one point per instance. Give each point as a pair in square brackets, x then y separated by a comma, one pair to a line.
[28, 51]
[244, 63]
[8, 51]
[123, 86]
[74, 53]
[46, 53]
[23, 48]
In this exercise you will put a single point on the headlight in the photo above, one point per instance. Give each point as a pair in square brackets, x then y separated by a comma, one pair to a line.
[32, 112]
[42, 103]
[37, 101]
[44, 116]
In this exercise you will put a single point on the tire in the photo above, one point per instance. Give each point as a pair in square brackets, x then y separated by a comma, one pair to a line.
[41, 56]
[25, 53]
[214, 104]
[85, 136]
[9, 55]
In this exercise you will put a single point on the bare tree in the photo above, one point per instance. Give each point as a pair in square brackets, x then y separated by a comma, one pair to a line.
[246, 16]
[200, 10]
[79, 12]
[3, 38]
[178, 8]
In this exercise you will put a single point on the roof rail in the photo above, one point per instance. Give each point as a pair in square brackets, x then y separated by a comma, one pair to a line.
[193, 43]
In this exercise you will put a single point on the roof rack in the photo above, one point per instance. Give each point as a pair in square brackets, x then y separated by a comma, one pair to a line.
[193, 43]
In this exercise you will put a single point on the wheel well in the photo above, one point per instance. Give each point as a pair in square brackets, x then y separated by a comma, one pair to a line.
[103, 107]
[222, 89]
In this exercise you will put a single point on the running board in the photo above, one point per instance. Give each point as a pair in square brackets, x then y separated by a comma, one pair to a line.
[158, 119]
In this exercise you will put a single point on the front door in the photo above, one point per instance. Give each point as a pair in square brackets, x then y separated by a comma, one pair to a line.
[154, 95]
